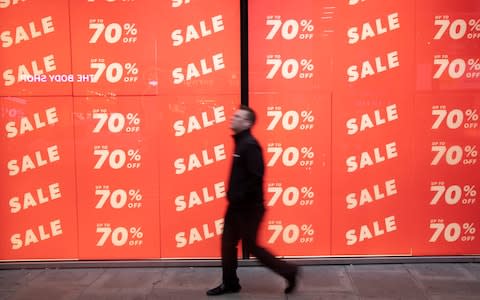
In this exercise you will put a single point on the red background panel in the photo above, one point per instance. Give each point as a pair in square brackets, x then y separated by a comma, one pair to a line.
[382, 120]
[132, 212]
[192, 128]
[446, 189]
[302, 122]
[366, 35]
[121, 37]
[447, 31]
[310, 49]
[35, 40]
[212, 28]
[29, 150]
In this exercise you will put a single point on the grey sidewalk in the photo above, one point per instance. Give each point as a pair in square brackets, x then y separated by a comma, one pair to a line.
[376, 281]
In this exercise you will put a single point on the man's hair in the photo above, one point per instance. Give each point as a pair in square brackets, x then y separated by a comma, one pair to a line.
[251, 116]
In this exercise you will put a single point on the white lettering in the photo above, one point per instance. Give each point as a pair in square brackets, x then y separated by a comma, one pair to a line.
[23, 72]
[378, 119]
[194, 162]
[367, 233]
[205, 121]
[194, 72]
[366, 159]
[29, 163]
[22, 34]
[368, 196]
[33, 236]
[39, 120]
[196, 235]
[369, 31]
[33, 199]
[7, 3]
[195, 198]
[368, 70]
[191, 33]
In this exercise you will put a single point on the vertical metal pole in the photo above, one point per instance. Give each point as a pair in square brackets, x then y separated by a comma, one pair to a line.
[244, 51]
[244, 70]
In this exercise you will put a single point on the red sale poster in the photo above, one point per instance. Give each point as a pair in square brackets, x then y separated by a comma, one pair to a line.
[371, 174]
[447, 45]
[374, 46]
[117, 153]
[446, 153]
[38, 215]
[194, 166]
[114, 47]
[291, 45]
[371, 113]
[199, 82]
[294, 132]
[199, 47]
[35, 54]
[446, 139]
[290, 76]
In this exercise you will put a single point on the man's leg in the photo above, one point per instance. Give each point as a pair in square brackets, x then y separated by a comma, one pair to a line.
[284, 269]
[230, 240]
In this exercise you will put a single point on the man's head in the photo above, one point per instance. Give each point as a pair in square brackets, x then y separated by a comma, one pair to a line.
[243, 118]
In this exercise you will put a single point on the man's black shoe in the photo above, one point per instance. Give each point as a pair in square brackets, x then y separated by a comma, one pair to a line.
[291, 282]
[223, 289]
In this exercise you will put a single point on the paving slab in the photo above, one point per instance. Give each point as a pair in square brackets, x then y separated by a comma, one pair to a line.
[199, 278]
[261, 281]
[4, 295]
[474, 269]
[389, 282]
[128, 283]
[43, 293]
[325, 279]
[53, 283]
[10, 280]
[308, 295]
[450, 297]
[69, 278]
[458, 288]
[453, 281]
[200, 295]
[446, 271]
[436, 281]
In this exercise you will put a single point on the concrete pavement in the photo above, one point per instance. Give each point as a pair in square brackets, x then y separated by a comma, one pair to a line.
[433, 281]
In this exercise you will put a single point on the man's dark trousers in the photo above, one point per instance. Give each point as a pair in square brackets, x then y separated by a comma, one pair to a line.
[243, 225]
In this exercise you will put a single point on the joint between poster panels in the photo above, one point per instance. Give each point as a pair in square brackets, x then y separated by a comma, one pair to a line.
[244, 89]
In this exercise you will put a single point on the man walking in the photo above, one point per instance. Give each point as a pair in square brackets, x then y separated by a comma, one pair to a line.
[246, 209]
